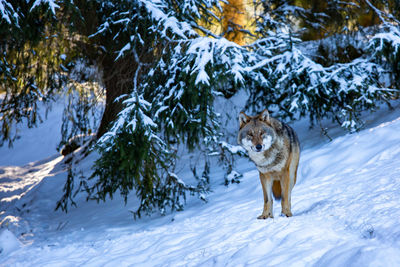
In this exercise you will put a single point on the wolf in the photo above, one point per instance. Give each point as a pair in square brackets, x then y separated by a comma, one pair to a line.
[274, 148]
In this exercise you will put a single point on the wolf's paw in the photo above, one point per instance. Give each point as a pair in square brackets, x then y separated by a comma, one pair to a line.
[265, 216]
[287, 213]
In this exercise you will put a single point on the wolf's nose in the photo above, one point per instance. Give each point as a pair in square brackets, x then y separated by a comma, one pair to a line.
[258, 147]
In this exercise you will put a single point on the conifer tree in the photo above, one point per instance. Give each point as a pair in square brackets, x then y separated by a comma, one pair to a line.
[162, 67]
[31, 49]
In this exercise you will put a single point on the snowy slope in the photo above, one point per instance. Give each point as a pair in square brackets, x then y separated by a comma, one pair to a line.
[36, 143]
[346, 209]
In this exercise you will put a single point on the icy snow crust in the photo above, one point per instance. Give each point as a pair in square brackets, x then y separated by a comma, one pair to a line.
[345, 208]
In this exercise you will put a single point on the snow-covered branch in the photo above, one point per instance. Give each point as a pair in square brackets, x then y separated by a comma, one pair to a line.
[7, 12]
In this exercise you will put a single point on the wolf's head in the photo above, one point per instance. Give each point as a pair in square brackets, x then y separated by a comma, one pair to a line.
[256, 132]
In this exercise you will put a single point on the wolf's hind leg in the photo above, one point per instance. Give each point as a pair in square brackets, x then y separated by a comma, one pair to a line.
[266, 182]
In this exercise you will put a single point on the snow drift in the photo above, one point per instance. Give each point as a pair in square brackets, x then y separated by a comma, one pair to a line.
[345, 213]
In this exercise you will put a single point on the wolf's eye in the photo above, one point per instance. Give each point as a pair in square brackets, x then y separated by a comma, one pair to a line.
[250, 134]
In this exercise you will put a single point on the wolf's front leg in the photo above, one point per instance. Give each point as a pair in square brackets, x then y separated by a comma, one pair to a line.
[287, 186]
[266, 182]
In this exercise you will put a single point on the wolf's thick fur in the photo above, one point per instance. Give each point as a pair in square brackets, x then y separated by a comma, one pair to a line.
[275, 149]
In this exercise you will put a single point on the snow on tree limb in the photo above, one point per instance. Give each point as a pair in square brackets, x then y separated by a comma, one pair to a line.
[7, 12]
[51, 3]
[207, 51]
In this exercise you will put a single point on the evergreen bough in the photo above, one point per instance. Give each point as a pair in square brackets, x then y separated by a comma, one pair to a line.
[163, 69]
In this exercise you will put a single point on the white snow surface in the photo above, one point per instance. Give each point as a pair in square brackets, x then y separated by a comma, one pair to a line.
[8, 242]
[346, 211]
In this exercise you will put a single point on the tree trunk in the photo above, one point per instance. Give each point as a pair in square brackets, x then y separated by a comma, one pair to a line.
[117, 80]
[234, 21]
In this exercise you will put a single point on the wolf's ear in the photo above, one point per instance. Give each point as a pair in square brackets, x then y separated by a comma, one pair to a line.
[243, 119]
[264, 116]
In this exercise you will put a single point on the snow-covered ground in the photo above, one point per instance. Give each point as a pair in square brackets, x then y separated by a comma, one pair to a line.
[346, 210]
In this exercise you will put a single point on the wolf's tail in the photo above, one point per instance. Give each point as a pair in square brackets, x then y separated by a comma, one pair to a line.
[277, 190]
